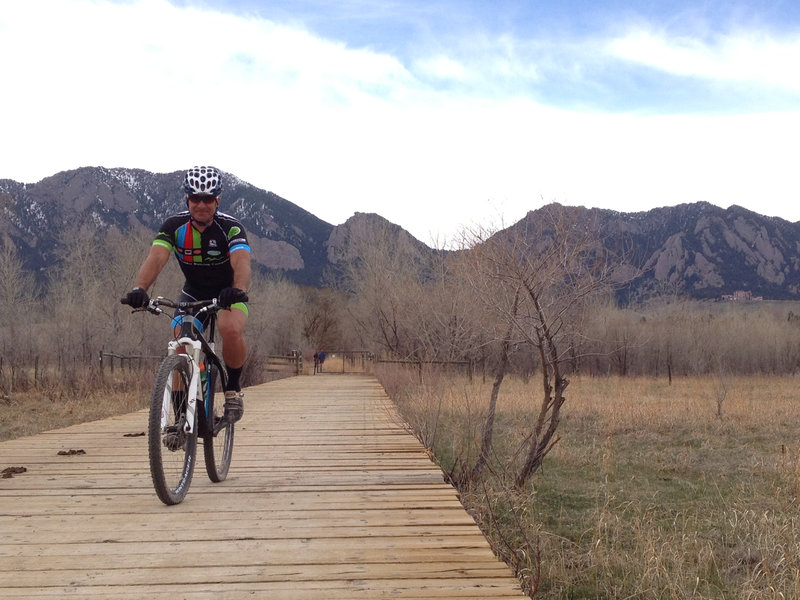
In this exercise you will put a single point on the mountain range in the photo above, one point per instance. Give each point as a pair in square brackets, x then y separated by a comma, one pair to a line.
[697, 249]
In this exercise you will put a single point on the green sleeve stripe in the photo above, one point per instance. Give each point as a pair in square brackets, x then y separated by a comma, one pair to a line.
[164, 243]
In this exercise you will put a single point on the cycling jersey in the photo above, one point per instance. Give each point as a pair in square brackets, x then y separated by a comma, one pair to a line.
[204, 256]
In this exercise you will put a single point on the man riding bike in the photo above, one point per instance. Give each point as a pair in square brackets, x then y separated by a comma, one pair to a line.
[214, 255]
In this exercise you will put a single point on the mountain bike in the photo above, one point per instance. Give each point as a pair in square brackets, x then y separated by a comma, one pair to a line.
[183, 405]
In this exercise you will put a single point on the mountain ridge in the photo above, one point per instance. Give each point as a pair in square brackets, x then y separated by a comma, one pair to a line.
[697, 249]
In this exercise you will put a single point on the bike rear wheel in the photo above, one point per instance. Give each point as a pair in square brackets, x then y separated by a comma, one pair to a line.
[172, 450]
[217, 448]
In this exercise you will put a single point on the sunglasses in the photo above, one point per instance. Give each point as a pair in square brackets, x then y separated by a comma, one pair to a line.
[203, 199]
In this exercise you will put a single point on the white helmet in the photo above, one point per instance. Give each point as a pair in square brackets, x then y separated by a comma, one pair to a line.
[203, 181]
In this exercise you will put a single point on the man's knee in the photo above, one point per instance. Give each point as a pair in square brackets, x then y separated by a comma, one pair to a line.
[231, 324]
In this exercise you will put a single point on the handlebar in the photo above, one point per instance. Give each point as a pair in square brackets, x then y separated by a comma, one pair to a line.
[154, 305]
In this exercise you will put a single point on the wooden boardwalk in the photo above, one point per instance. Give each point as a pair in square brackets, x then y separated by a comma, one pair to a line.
[328, 497]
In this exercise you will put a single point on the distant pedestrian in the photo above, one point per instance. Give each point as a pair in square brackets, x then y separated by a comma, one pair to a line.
[321, 358]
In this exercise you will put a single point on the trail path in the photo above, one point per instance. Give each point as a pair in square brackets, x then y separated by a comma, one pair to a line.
[328, 497]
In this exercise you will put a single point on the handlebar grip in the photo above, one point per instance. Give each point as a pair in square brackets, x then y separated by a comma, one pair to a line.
[241, 296]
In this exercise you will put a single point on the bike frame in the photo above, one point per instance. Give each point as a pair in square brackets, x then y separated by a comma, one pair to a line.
[193, 345]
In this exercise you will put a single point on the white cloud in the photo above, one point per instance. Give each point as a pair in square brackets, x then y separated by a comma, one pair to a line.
[741, 56]
[443, 67]
[337, 130]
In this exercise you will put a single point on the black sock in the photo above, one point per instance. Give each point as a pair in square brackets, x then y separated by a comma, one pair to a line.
[233, 379]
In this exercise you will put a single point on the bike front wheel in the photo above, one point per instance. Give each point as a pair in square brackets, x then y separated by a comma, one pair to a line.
[172, 450]
[218, 435]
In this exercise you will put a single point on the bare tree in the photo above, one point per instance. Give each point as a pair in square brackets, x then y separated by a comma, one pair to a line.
[321, 320]
[500, 373]
[381, 267]
[448, 323]
[276, 308]
[18, 313]
[79, 286]
[538, 276]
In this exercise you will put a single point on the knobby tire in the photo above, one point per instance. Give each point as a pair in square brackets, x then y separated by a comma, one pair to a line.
[171, 469]
[217, 449]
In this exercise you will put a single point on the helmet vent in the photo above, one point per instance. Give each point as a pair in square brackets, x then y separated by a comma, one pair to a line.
[203, 180]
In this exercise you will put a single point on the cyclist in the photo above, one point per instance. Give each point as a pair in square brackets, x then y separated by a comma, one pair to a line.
[214, 255]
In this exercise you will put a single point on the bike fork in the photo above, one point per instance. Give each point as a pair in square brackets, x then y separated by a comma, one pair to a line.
[194, 385]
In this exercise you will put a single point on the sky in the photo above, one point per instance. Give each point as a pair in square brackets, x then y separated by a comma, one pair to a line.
[438, 115]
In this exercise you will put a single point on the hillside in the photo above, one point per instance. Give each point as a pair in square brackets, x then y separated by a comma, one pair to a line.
[695, 249]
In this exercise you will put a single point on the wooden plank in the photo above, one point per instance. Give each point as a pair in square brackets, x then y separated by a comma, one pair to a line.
[353, 589]
[290, 529]
[329, 496]
[175, 572]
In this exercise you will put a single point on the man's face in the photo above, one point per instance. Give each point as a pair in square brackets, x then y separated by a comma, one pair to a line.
[202, 208]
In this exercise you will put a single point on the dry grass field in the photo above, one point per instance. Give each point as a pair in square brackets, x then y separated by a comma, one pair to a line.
[655, 490]
[34, 411]
[57, 402]
[89, 395]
